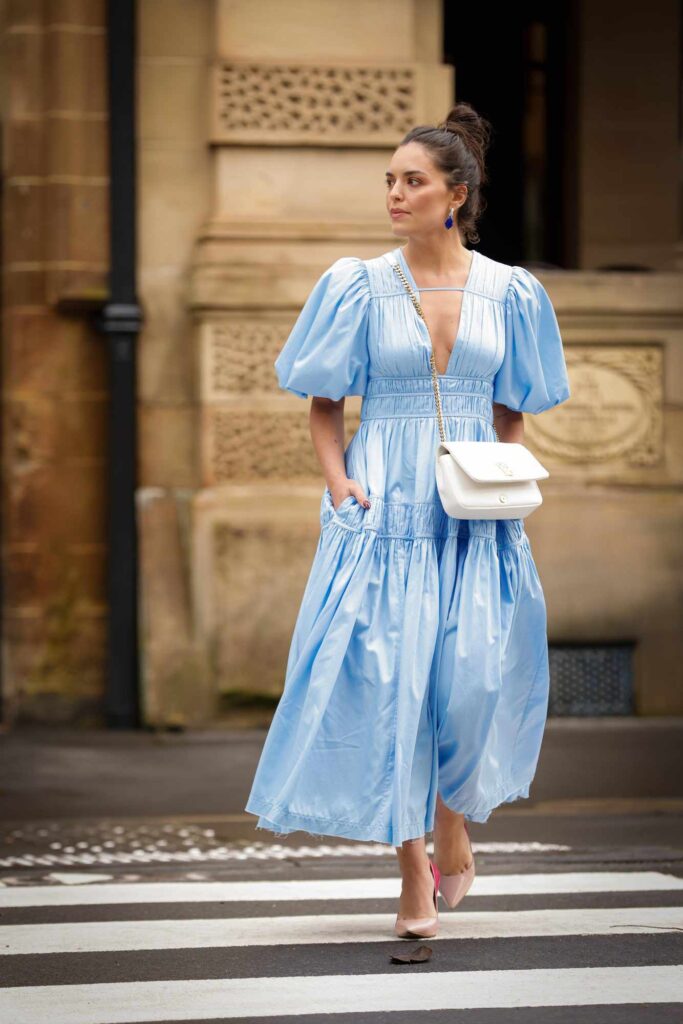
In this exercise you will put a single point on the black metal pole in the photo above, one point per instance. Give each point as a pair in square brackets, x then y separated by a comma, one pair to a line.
[120, 321]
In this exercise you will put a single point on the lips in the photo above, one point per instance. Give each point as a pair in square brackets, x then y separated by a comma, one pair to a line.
[397, 213]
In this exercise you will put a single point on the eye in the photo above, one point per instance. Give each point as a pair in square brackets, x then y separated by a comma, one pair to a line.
[417, 181]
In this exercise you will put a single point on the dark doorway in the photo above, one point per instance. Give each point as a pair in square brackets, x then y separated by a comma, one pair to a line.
[516, 64]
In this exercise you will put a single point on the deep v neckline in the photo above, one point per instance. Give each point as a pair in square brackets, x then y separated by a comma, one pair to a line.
[426, 337]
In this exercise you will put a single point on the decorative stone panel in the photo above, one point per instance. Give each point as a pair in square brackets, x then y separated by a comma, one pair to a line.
[251, 428]
[615, 413]
[261, 443]
[326, 105]
[238, 356]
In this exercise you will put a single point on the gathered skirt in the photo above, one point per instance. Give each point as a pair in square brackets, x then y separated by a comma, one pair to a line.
[419, 660]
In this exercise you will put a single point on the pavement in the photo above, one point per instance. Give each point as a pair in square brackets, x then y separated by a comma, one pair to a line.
[48, 772]
[613, 784]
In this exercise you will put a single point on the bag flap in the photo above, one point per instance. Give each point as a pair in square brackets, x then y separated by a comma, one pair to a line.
[495, 461]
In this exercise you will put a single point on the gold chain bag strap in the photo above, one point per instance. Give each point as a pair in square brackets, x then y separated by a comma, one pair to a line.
[480, 479]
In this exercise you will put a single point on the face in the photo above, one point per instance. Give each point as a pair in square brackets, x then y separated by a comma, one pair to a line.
[415, 186]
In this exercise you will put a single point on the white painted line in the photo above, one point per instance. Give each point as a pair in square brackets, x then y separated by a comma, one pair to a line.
[153, 854]
[79, 878]
[118, 936]
[327, 889]
[225, 998]
[266, 851]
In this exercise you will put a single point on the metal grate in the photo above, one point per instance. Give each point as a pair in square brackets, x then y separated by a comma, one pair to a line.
[591, 679]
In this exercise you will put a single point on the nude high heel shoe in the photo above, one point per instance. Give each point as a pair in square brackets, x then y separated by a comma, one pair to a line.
[421, 927]
[454, 887]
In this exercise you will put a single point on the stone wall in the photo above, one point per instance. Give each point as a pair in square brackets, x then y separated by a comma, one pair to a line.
[608, 541]
[303, 108]
[301, 112]
[263, 135]
[175, 47]
[55, 245]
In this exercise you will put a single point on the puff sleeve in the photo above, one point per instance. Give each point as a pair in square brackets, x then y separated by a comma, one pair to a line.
[533, 374]
[326, 353]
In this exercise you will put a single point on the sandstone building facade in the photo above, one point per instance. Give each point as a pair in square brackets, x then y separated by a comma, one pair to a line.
[263, 131]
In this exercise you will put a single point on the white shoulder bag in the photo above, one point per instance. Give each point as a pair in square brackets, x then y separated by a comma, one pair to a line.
[481, 479]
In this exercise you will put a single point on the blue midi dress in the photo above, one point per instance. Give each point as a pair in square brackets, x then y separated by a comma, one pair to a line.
[419, 657]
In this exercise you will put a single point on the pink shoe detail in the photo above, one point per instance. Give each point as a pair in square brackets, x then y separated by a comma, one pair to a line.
[421, 927]
[454, 888]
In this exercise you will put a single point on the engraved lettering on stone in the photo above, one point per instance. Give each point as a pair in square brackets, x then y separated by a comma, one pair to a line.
[615, 410]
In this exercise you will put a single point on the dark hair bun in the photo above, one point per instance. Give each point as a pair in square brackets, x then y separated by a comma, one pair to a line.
[475, 130]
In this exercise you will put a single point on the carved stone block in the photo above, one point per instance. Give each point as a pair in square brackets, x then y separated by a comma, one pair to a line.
[614, 416]
[262, 444]
[251, 429]
[331, 105]
[238, 356]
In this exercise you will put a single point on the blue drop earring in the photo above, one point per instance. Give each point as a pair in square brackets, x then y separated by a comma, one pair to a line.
[449, 220]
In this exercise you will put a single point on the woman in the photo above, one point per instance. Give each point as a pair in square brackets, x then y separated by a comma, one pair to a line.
[416, 688]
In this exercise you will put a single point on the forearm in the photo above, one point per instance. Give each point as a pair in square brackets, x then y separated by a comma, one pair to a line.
[509, 424]
[326, 422]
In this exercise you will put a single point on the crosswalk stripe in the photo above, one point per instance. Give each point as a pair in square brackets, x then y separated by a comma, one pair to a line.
[110, 936]
[127, 1002]
[328, 889]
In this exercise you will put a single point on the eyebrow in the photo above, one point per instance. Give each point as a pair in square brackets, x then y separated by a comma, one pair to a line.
[388, 173]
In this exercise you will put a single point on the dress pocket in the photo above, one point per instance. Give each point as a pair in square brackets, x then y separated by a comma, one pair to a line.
[349, 499]
[346, 513]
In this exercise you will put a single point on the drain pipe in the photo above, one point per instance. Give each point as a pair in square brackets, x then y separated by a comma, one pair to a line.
[120, 321]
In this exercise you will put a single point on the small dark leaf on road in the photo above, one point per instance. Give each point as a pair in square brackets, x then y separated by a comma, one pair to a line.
[419, 955]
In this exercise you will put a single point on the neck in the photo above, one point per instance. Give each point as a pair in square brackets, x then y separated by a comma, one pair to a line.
[437, 258]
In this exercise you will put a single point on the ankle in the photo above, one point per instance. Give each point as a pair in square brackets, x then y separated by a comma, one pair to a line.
[415, 870]
[413, 873]
[442, 810]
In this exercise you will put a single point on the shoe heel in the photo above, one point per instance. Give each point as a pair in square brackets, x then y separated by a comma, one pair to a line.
[421, 927]
[454, 888]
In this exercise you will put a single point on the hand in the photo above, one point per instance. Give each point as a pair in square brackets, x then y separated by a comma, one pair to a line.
[345, 488]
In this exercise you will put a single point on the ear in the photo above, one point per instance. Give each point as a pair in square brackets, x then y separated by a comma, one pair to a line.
[459, 195]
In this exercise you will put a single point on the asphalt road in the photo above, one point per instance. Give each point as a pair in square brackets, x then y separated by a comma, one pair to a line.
[571, 918]
[133, 887]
